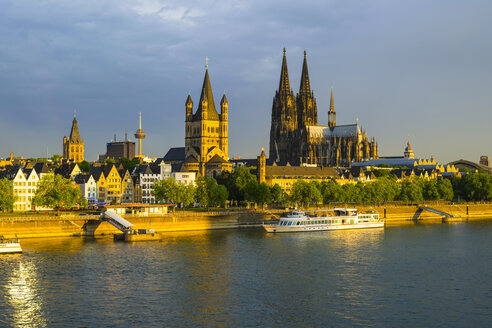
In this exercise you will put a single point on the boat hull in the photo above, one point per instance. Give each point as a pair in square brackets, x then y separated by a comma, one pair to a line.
[360, 225]
[6, 248]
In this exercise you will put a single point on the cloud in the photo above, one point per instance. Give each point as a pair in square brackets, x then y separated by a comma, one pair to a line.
[392, 63]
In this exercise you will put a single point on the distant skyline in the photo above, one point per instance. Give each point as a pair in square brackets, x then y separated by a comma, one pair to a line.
[417, 70]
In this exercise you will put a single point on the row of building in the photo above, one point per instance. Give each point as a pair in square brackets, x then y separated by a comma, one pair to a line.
[103, 184]
[113, 184]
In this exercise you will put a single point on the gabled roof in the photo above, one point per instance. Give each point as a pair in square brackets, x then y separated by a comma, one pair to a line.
[122, 172]
[107, 168]
[191, 159]
[207, 95]
[339, 131]
[143, 169]
[66, 169]
[175, 154]
[217, 159]
[96, 172]
[82, 178]
[27, 172]
[41, 167]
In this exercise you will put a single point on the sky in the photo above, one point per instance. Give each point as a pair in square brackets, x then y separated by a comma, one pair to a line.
[415, 70]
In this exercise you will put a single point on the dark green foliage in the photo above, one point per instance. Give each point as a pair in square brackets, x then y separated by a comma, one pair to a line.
[218, 195]
[473, 187]
[7, 197]
[209, 193]
[276, 193]
[306, 193]
[56, 158]
[129, 164]
[55, 191]
[237, 181]
[170, 190]
[84, 166]
[257, 193]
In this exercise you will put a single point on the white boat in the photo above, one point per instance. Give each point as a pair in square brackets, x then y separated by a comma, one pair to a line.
[335, 219]
[9, 245]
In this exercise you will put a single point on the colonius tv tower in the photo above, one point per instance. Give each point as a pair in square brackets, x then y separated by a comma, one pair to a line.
[140, 134]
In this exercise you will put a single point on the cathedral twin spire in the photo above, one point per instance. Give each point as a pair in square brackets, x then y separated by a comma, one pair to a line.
[284, 85]
[304, 88]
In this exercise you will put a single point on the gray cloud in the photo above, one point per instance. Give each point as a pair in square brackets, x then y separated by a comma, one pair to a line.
[417, 68]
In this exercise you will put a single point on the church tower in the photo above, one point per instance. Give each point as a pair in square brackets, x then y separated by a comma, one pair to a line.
[284, 119]
[206, 134]
[408, 153]
[261, 167]
[332, 114]
[73, 147]
[307, 111]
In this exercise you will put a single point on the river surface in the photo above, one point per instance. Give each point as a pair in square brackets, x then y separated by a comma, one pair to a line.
[414, 275]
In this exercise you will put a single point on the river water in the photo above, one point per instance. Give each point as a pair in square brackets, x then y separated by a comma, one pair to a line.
[415, 275]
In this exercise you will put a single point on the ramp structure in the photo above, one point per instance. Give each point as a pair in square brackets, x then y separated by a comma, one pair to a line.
[435, 211]
[117, 221]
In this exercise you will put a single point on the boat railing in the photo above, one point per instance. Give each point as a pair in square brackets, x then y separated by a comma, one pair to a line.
[368, 217]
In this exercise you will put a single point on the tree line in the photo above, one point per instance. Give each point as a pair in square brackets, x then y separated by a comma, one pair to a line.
[241, 187]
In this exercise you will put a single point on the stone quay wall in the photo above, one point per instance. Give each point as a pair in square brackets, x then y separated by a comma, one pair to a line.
[71, 225]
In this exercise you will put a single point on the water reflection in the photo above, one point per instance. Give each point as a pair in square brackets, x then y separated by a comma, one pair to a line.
[22, 296]
[427, 274]
[205, 262]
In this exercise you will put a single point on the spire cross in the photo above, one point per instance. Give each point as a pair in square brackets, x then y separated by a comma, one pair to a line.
[74, 113]
[206, 62]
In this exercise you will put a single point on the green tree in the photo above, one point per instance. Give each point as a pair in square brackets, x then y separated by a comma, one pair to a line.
[166, 190]
[430, 191]
[55, 191]
[411, 191]
[217, 195]
[477, 186]
[84, 166]
[204, 191]
[331, 191]
[238, 181]
[258, 193]
[7, 197]
[129, 164]
[174, 192]
[306, 192]
[276, 193]
[186, 194]
[56, 158]
[83, 202]
[445, 189]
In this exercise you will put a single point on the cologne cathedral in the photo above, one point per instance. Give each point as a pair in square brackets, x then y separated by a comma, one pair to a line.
[296, 137]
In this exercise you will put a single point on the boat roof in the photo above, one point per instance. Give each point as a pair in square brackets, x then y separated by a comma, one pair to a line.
[334, 209]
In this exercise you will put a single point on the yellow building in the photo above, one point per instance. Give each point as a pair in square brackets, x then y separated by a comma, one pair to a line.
[286, 176]
[98, 175]
[206, 136]
[73, 147]
[126, 186]
[113, 184]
